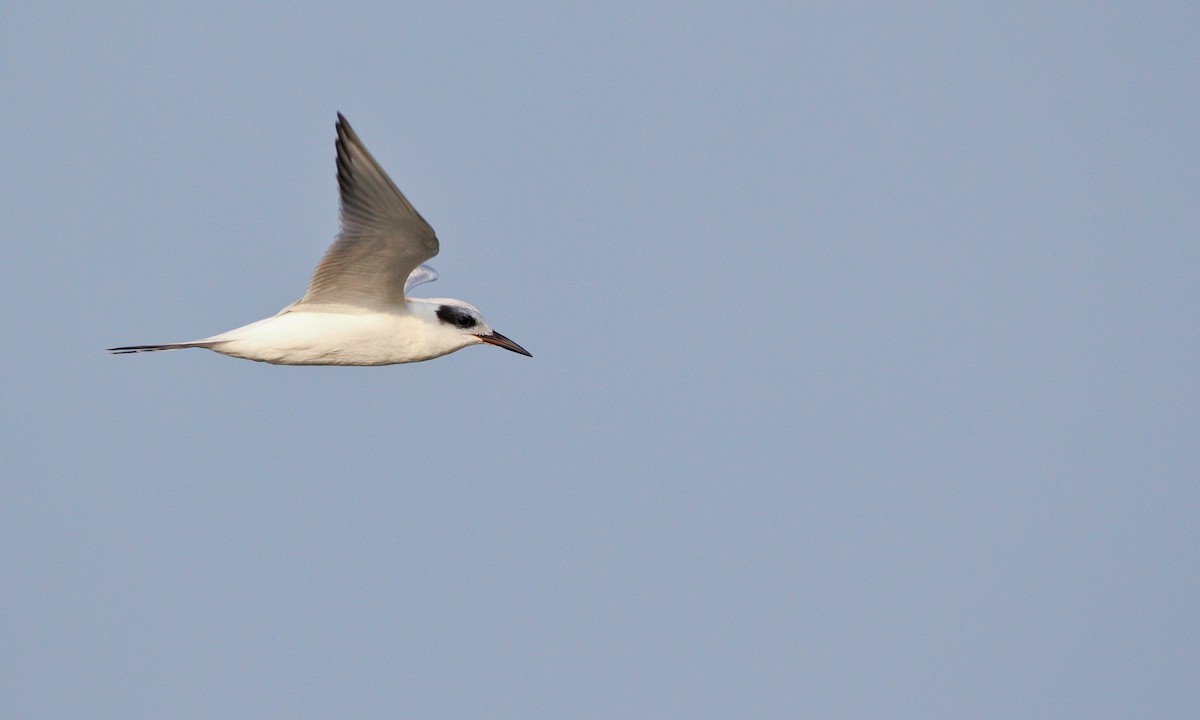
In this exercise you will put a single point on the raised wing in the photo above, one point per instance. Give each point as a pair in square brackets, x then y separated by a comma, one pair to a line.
[383, 238]
[420, 276]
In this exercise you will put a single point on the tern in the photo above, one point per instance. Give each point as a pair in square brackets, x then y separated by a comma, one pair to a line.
[356, 310]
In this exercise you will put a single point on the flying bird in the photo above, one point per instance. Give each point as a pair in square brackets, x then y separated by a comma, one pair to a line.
[356, 310]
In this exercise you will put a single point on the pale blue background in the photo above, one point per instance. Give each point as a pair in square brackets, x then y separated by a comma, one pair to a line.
[864, 381]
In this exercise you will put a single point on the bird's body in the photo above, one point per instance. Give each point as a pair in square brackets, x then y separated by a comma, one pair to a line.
[340, 335]
[356, 310]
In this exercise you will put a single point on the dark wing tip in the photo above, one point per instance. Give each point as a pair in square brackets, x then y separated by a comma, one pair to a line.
[345, 138]
[343, 125]
[345, 133]
[347, 145]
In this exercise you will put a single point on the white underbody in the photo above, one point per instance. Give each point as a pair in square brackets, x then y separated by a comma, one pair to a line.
[341, 336]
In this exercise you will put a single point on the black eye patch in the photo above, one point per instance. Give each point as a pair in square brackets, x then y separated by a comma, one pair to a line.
[455, 316]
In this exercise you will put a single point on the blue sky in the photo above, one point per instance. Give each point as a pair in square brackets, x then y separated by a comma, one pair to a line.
[864, 377]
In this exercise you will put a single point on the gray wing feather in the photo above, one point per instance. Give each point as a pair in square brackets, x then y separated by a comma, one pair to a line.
[383, 239]
[420, 276]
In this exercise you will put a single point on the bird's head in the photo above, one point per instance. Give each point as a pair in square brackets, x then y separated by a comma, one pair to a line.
[463, 320]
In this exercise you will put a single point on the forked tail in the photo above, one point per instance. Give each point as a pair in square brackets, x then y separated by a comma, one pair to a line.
[156, 348]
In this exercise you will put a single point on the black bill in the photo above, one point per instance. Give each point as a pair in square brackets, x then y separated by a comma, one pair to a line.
[500, 341]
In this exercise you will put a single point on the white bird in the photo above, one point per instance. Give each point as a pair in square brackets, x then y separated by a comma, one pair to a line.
[355, 311]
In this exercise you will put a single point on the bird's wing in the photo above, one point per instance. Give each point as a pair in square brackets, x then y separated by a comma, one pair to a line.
[420, 276]
[383, 239]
